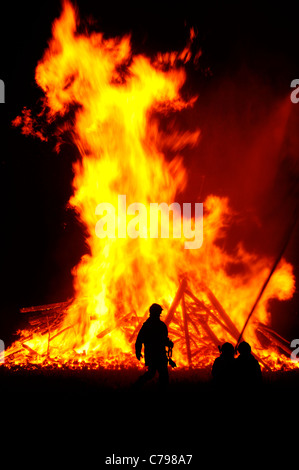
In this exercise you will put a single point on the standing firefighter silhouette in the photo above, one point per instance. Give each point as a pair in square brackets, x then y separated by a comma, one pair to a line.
[154, 335]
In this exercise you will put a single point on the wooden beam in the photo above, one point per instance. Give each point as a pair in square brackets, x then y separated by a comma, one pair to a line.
[222, 313]
[175, 302]
[265, 327]
[32, 351]
[187, 339]
[274, 339]
[210, 333]
[46, 308]
[233, 331]
[207, 330]
[48, 349]
[111, 328]
[60, 332]
[202, 306]
[139, 325]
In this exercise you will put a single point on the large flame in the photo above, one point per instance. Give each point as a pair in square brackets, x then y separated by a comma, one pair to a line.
[110, 101]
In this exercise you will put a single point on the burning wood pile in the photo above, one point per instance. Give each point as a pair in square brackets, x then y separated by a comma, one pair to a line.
[109, 102]
[191, 323]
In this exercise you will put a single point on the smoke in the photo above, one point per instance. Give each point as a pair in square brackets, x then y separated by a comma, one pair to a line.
[249, 153]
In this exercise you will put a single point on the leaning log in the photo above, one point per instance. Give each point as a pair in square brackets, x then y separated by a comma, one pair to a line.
[46, 308]
[272, 336]
[230, 326]
[202, 306]
[286, 241]
[210, 333]
[204, 325]
[185, 318]
[60, 332]
[222, 312]
[175, 302]
[139, 325]
[32, 351]
[108, 330]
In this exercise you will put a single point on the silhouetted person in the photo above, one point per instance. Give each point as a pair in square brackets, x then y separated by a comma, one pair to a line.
[224, 367]
[248, 369]
[154, 335]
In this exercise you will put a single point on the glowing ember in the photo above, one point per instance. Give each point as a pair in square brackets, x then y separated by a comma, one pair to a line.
[113, 95]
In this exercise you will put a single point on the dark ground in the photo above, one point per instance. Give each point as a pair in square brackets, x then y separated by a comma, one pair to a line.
[74, 419]
[78, 418]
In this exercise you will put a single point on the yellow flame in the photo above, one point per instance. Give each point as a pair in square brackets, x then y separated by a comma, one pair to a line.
[113, 94]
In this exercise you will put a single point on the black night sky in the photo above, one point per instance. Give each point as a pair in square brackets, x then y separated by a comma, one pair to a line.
[249, 149]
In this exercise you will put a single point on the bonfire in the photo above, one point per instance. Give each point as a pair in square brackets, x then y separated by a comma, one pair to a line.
[110, 103]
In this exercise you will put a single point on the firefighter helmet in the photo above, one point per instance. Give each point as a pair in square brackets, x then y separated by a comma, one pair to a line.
[155, 310]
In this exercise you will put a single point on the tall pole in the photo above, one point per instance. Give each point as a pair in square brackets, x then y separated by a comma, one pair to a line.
[284, 246]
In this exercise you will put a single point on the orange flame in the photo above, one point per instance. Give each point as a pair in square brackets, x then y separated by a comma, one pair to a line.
[114, 94]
